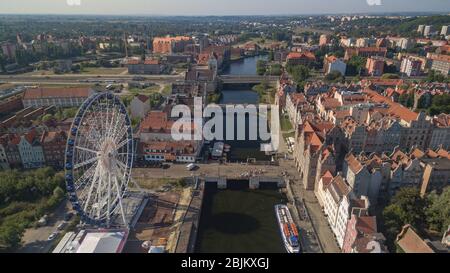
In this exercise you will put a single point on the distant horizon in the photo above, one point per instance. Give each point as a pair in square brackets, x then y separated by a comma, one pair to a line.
[207, 8]
[418, 13]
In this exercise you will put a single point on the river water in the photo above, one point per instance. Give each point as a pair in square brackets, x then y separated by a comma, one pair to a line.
[243, 149]
[245, 66]
[239, 220]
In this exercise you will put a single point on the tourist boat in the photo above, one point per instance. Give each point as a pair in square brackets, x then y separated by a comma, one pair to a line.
[289, 231]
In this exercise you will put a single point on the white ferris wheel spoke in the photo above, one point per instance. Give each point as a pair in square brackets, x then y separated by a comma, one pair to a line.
[87, 162]
[86, 175]
[86, 149]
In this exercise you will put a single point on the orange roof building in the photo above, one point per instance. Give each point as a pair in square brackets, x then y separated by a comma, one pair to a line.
[62, 97]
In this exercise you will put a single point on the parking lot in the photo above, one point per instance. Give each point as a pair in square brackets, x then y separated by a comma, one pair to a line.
[35, 240]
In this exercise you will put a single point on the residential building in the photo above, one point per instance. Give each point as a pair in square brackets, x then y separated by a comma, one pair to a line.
[444, 30]
[363, 181]
[411, 67]
[300, 58]
[12, 150]
[361, 235]
[11, 104]
[440, 136]
[324, 40]
[410, 242]
[427, 31]
[4, 164]
[332, 63]
[54, 145]
[439, 63]
[420, 29]
[166, 45]
[315, 88]
[406, 171]
[170, 151]
[147, 67]
[61, 97]
[436, 174]
[416, 127]
[375, 66]
[140, 106]
[294, 102]
[366, 52]
[157, 126]
[339, 202]
[30, 150]
[9, 50]
[312, 161]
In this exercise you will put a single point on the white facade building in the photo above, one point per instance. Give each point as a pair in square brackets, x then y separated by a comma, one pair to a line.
[140, 106]
[31, 151]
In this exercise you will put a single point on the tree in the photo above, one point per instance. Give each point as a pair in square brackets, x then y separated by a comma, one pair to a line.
[407, 207]
[334, 76]
[438, 212]
[390, 76]
[299, 73]
[47, 117]
[355, 65]
[275, 70]
[271, 56]
[261, 67]
[406, 100]
[10, 236]
[2, 63]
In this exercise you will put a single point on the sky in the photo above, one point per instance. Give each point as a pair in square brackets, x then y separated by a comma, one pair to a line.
[219, 7]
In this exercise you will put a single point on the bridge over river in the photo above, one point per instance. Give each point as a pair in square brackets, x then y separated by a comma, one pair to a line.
[247, 79]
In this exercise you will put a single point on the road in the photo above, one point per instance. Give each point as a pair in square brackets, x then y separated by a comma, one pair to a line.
[318, 219]
[84, 78]
[229, 170]
[318, 225]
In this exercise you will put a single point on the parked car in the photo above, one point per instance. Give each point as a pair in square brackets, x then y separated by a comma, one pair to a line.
[43, 221]
[191, 167]
[61, 226]
[52, 236]
[68, 216]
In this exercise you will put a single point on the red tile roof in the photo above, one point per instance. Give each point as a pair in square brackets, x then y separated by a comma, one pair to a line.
[301, 55]
[40, 93]
[411, 242]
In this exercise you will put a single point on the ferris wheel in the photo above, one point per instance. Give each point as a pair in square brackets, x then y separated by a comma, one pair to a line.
[98, 160]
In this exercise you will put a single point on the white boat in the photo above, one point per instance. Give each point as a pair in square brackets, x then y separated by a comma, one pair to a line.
[288, 230]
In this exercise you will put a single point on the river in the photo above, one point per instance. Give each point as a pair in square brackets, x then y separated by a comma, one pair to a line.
[246, 66]
[243, 149]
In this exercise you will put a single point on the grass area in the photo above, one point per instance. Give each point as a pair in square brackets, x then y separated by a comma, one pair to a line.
[65, 85]
[285, 123]
[167, 90]
[214, 97]
[145, 91]
[266, 93]
[86, 70]
[239, 221]
[103, 71]
[291, 134]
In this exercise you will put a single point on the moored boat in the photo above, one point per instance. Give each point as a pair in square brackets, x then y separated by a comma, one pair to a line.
[288, 230]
